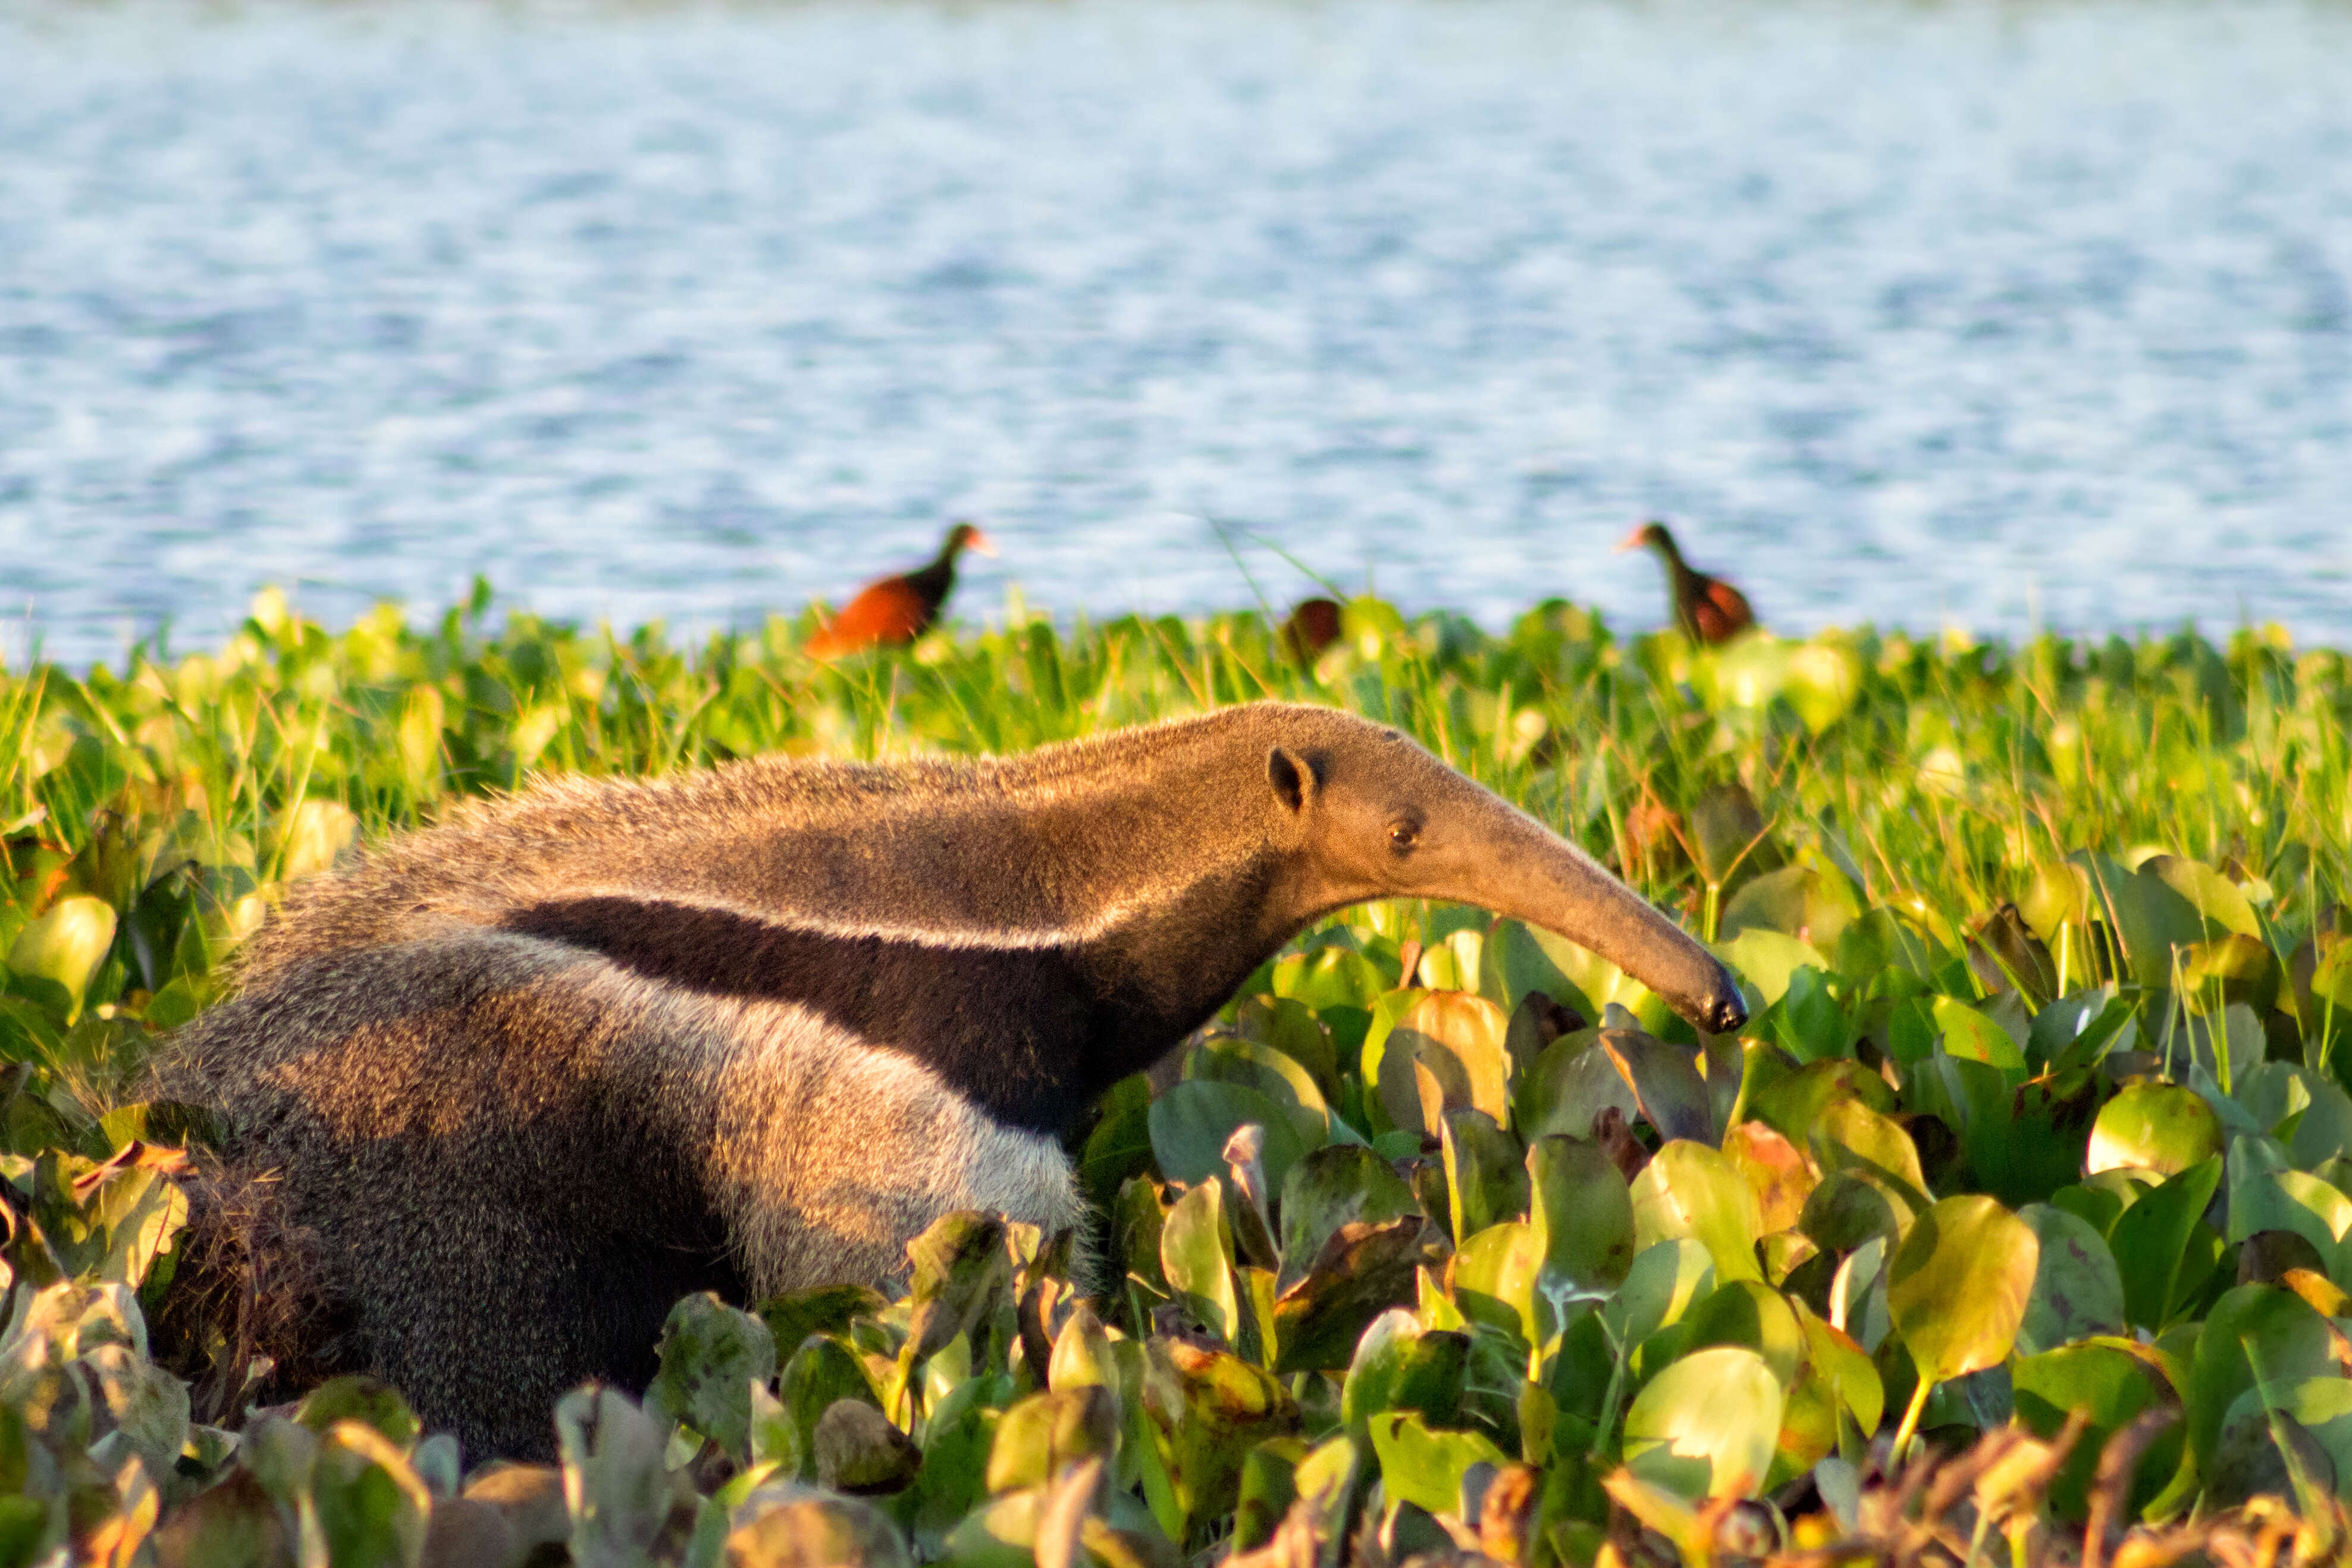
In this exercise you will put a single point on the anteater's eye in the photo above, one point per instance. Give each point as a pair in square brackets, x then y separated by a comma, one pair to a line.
[1402, 837]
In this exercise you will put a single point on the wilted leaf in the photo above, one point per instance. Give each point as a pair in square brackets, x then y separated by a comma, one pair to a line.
[1207, 1410]
[792, 1527]
[1333, 1186]
[962, 1272]
[860, 1453]
[1045, 1432]
[711, 1356]
[1362, 1270]
[1780, 1176]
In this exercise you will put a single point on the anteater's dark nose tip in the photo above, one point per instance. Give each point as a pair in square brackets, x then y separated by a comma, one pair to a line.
[1730, 1015]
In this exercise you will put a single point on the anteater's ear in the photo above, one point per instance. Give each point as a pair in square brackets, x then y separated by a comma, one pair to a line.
[1293, 778]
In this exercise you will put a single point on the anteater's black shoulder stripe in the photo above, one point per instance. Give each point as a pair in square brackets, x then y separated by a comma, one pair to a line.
[1011, 1029]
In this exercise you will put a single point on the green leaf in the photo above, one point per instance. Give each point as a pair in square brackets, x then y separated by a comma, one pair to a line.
[1269, 1486]
[362, 1399]
[1790, 1105]
[1399, 1365]
[2150, 1241]
[1362, 1270]
[2077, 1290]
[1707, 1425]
[1119, 1146]
[1691, 1190]
[1191, 1121]
[822, 1372]
[1493, 1279]
[1751, 1313]
[2111, 1381]
[794, 1316]
[1486, 1172]
[1425, 1465]
[1665, 1081]
[2283, 1333]
[1207, 1410]
[1765, 959]
[1328, 977]
[1958, 1287]
[1291, 1027]
[2297, 1202]
[1230, 1059]
[370, 1505]
[1044, 1432]
[1335, 1185]
[710, 1355]
[2220, 904]
[1572, 1083]
[2321, 1406]
[1971, 1036]
[2154, 1126]
[1515, 963]
[1658, 1290]
[614, 1475]
[1196, 1256]
[1580, 1219]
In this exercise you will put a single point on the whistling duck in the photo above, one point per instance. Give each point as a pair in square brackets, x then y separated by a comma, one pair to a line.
[1313, 626]
[1708, 609]
[897, 610]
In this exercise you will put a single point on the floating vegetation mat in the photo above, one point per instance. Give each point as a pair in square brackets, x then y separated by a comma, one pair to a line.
[2016, 1226]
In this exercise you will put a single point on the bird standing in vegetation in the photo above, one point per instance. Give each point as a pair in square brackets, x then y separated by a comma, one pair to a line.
[1708, 609]
[897, 610]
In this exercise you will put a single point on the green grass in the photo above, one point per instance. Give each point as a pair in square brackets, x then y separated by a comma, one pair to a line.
[1848, 817]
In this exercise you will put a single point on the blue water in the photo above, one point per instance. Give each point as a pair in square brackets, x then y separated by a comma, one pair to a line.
[2006, 316]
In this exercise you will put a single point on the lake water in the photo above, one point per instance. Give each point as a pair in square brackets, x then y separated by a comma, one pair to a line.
[2008, 316]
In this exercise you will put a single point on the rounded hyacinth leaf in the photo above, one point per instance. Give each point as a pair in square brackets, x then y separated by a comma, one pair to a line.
[1691, 1190]
[2153, 1127]
[2077, 1290]
[1707, 1425]
[66, 944]
[1958, 1287]
[1191, 1121]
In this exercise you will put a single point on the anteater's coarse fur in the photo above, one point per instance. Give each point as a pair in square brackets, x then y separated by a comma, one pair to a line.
[518, 1081]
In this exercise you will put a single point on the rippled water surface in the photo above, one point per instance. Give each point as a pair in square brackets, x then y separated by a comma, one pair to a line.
[2008, 316]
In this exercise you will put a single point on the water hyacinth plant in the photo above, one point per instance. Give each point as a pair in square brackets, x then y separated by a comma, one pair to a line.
[2018, 1223]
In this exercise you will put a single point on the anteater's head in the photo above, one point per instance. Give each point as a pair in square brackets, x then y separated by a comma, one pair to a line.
[1362, 811]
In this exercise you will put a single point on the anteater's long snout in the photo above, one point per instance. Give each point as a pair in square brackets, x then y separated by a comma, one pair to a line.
[1545, 881]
